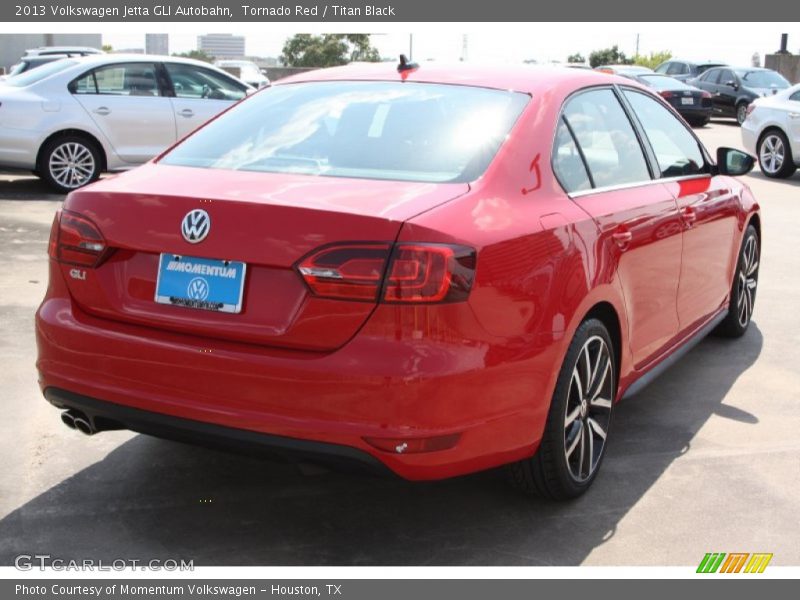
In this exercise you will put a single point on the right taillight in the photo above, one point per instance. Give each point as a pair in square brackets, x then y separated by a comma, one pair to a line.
[399, 273]
[75, 240]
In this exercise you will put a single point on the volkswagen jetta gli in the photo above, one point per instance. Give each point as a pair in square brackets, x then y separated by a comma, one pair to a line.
[433, 270]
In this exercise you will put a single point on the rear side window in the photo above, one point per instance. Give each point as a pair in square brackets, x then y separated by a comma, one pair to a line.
[129, 79]
[711, 76]
[606, 138]
[663, 68]
[568, 163]
[677, 151]
[677, 68]
[795, 96]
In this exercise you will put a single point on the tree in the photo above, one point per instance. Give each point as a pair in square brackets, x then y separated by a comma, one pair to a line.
[652, 61]
[107, 48]
[609, 56]
[197, 55]
[576, 58]
[329, 50]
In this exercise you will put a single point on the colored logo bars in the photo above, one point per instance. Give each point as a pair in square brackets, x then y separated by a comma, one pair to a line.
[735, 562]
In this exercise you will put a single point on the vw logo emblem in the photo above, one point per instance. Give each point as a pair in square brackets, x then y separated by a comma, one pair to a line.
[198, 289]
[195, 226]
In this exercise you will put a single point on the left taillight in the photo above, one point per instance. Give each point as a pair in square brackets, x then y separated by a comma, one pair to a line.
[75, 240]
[391, 273]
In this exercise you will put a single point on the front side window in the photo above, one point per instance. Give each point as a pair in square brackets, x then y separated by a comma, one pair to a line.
[677, 151]
[726, 77]
[190, 81]
[128, 79]
[373, 130]
[606, 138]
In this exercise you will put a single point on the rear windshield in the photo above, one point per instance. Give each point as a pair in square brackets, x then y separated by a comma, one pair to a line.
[32, 76]
[763, 79]
[369, 130]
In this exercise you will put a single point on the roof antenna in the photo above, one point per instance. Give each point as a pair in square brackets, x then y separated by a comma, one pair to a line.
[405, 65]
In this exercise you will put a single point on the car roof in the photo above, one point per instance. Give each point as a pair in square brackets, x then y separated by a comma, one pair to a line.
[531, 79]
[698, 62]
[45, 50]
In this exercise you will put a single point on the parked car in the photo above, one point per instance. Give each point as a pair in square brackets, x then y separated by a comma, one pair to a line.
[732, 89]
[625, 70]
[248, 72]
[683, 70]
[68, 50]
[76, 117]
[26, 63]
[771, 131]
[692, 103]
[423, 270]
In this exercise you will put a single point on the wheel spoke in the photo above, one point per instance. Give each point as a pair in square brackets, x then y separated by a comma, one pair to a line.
[572, 416]
[578, 434]
[595, 426]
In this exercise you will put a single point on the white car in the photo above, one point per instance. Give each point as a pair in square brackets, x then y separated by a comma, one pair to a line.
[771, 131]
[248, 72]
[69, 120]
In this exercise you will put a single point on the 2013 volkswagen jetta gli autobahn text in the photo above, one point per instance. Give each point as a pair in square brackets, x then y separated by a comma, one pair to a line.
[435, 270]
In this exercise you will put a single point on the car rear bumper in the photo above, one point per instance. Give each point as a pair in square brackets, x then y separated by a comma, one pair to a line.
[376, 386]
[108, 415]
[749, 137]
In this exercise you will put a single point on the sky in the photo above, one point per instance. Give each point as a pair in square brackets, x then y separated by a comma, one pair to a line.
[515, 42]
[486, 42]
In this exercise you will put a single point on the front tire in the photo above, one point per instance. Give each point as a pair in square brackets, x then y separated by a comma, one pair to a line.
[579, 420]
[743, 290]
[775, 155]
[69, 162]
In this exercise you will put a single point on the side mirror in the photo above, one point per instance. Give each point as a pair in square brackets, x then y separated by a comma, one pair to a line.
[734, 162]
[732, 84]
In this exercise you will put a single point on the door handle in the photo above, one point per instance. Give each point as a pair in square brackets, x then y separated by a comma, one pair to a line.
[622, 238]
[102, 110]
[186, 112]
[689, 216]
[794, 115]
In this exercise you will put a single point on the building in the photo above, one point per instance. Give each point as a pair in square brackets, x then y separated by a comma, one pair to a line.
[14, 45]
[156, 43]
[222, 45]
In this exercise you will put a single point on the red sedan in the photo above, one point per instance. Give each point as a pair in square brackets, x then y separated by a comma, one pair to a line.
[435, 270]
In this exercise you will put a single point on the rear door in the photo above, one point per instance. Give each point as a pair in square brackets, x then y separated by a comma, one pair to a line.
[200, 94]
[708, 82]
[707, 205]
[637, 216]
[126, 102]
[793, 116]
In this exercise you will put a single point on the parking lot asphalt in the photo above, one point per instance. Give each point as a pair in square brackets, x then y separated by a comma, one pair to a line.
[705, 459]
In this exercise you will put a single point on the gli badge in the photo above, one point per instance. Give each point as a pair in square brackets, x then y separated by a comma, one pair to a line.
[195, 226]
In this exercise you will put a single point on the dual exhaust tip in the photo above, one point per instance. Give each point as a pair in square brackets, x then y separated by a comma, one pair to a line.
[74, 419]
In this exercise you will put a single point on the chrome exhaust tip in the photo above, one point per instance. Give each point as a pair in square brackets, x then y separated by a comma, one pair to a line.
[84, 425]
[68, 419]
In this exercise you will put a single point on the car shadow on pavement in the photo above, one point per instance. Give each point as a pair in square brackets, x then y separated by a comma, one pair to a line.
[16, 187]
[154, 499]
[794, 180]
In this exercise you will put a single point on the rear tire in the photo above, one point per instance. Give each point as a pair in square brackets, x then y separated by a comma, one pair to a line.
[743, 289]
[741, 112]
[69, 162]
[699, 121]
[775, 155]
[574, 441]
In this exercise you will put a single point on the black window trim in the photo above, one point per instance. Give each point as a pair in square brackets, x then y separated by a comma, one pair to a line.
[644, 142]
[645, 149]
